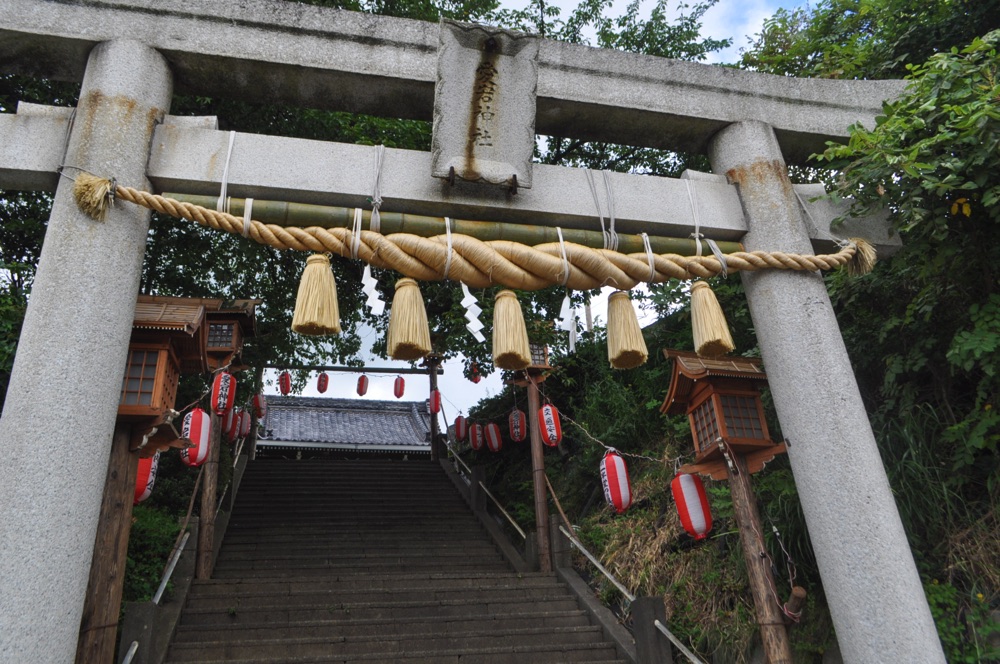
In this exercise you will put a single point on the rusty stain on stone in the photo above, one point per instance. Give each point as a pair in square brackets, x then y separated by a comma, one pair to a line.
[487, 63]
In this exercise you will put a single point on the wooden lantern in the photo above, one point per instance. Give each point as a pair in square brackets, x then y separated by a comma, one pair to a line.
[149, 386]
[721, 398]
[539, 356]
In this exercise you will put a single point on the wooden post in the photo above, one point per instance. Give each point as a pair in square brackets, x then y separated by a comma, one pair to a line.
[206, 518]
[538, 477]
[773, 636]
[101, 606]
[433, 362]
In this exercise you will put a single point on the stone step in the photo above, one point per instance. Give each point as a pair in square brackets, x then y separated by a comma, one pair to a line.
[319, 557]
[384, 610]
[419, 625]
[518, 654]
[454, 580]
[290, 567]
[249, 600]
[370, 644]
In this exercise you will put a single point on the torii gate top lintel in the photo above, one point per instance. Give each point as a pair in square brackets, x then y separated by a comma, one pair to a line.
[340, 60]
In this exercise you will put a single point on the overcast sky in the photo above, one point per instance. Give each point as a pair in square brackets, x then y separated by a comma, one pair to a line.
[734, 19]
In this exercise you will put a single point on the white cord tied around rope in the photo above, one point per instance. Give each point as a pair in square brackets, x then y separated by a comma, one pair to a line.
[447, 262]
[649, 257]
[472, 311]
[222, 205]
[376, 222]
[356, 233]
[247, 216]
[567, 316]
[697, 223]
[562, 249]
[610, 236]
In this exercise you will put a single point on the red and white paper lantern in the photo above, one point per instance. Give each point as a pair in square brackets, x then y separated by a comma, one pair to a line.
[518, 423]
[692, 505]
[197, 428]
[398, 387]
[474, 373]
[461, 428]
[493, 439]
[322, 382]
[435, 402]
[245, 421]
[476, 436]
[223, 392]
[228, 424]
[362, 386]
[614, 477]
[260, 406]
[232, 430]
[549, 425]
[285, 383]
[146, 478]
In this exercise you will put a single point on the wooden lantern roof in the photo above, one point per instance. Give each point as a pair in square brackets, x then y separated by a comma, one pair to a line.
[689, 368]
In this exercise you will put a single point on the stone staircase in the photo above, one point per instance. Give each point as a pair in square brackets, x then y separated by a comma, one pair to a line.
[371, 561]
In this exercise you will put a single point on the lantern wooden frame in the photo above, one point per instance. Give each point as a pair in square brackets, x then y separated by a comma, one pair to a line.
[163, 388]
[721, 397]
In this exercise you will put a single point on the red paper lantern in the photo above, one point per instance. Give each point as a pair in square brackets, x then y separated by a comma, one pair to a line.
[233, 424]
[461, 428]
[614, 477]
[518, 423]
[145, 479]
[435, 402]
[223, 392]
[493, 440]
[260, 406]
[322, 383]
[285, 383]
[549, 425]
[245, 422]
[692, 505]
[197, 428]
[228, 422]
[398, 387]
[362, 385]
[476, 436]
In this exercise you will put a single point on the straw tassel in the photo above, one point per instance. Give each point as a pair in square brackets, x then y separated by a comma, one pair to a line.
[863, 261]
[626, 347]
[93, 195]
[510, 336]
[409, 337]
[316, 311]
[711, 333]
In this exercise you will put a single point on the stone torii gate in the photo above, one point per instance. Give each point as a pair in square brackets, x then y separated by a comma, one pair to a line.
[132, 54]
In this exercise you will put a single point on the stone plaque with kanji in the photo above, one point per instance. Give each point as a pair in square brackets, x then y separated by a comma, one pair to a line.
[484, 105]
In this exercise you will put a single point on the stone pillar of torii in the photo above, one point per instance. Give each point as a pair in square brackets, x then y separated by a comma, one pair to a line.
[132, 54]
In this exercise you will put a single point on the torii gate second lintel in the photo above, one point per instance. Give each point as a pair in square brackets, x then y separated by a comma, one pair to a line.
[749, 123]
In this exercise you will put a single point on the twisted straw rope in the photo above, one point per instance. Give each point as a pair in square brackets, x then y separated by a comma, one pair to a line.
[482, 264]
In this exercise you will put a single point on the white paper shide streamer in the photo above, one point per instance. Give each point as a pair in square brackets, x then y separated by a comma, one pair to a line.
[374, 302]
[567, 321]
[472, 311]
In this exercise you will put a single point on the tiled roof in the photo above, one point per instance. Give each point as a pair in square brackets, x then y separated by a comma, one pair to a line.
[356, 424]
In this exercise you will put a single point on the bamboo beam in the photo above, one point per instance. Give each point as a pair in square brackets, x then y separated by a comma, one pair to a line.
[281, 213]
